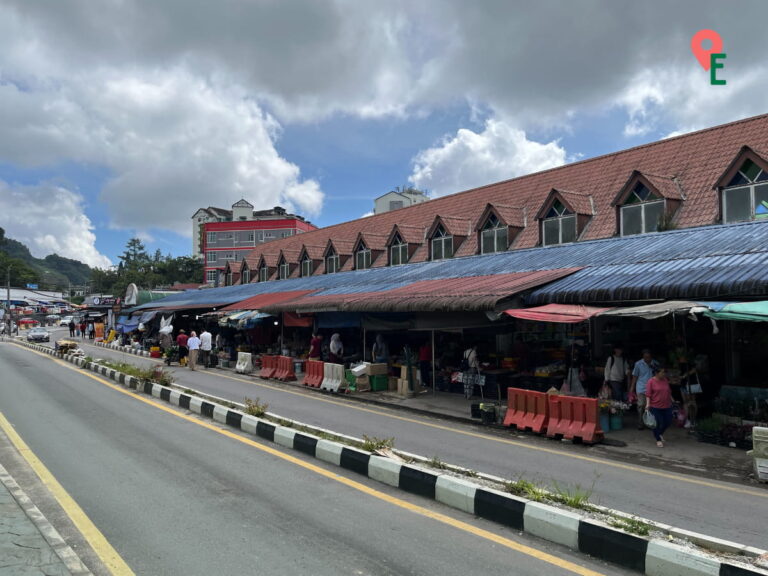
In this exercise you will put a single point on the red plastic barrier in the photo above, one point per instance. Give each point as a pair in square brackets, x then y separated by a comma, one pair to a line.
[574, 419]
[268, 366]
[285, 370]
[314, 374]
[527, 410]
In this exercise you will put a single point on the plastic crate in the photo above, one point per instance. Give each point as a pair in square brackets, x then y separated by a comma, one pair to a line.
[379, 382]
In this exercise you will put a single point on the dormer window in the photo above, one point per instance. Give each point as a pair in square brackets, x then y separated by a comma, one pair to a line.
[228, 278]
[746, 195]
[398, 251]
[558, 225]
[263, 273]
[442, 244]
[494, 235]
[284, 269]
[362, 257]
[641, 212]
[331, 262]
[306, 266]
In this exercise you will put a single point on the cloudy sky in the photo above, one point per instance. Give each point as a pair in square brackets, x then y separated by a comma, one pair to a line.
[122, 117]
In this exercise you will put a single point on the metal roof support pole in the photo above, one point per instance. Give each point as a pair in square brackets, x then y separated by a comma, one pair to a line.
[434, 387]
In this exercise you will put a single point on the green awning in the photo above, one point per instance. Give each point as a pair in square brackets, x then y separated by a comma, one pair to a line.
[744, 311]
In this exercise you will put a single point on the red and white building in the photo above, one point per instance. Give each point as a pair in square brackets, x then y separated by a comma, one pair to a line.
[230, 240]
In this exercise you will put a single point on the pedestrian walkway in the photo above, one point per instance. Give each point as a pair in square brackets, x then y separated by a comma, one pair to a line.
[29, 545]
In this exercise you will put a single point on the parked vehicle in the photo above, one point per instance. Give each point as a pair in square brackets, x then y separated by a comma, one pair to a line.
[66, 320]
[38, 334]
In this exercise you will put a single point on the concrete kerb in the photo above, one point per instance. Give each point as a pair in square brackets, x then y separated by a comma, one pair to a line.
[652, 556]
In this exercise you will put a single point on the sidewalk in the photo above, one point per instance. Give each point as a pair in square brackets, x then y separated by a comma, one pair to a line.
[29, 545]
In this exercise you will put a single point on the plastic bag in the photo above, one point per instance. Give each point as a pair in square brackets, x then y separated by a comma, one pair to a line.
[649, 419]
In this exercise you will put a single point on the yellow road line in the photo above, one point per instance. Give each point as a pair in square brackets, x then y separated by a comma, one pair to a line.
[438, 517]
[591, 459]
[101, 546]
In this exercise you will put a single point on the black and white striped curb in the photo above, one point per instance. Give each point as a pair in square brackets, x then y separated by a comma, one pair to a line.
[126, 349]
[654, 557]
[71, 560]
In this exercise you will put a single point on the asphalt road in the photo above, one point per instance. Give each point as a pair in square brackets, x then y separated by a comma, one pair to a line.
[702, 505]
[174, 497]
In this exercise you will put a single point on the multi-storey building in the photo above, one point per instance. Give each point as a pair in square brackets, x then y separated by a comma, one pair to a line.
[232, 237]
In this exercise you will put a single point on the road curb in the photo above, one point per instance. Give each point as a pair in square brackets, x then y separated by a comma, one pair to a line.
[652, 556]
[64, 551]
[125, 349]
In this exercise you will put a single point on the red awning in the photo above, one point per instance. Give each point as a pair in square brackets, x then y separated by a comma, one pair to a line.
[296, 321]
[562, 313]
[263, 300]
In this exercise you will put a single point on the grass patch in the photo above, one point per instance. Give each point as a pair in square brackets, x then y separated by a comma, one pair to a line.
[527, 489]
[575, 497]
[151, 374]
[631, 525]
[374, 444]
[255, 407]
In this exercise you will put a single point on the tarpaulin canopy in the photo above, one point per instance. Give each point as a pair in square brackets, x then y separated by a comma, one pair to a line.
[560, 313]
[294, 320]
[745, 311]
[660, 309]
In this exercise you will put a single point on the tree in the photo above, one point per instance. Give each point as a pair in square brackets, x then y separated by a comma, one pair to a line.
[135, 255]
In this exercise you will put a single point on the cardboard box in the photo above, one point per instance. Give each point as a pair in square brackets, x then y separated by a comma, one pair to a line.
[377, 369]
[392, 384]
[362, 380]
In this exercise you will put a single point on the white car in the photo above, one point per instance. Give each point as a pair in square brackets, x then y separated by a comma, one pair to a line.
[65, 320]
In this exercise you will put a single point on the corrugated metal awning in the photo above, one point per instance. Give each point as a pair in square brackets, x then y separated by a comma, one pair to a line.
[559, 313]
[264, 300]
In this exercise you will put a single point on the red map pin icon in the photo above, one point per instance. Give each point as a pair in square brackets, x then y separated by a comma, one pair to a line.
[702, 55]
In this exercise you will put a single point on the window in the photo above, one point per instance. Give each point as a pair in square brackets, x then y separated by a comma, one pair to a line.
[442, 244]
[331, 262]
[641, 212]
[246, 276]
[210, 276]
[362, 258]
[263, 273]
[493, 238]
[286, 234]
[746, 196]
[251, 236]
[398, 252]
[210, 256]
[395, 204]
[261, 236]
[285, 270]
[306, 267]
[559, 225]
[211, 238]
[269, 235]
[228, 256]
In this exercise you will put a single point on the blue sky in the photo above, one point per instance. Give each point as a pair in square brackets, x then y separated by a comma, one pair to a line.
[124, 122]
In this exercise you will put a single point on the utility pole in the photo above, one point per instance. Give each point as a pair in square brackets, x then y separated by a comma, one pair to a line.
[8, 322]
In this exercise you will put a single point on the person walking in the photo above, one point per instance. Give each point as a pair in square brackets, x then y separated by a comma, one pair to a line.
[658, 396]
[316, 347]
[206, 345]
[616, 373]
[82, 330]
[193, 344]
[181, 342]
[336, 349]
[642, 372]
[71, 328]
[91, 331]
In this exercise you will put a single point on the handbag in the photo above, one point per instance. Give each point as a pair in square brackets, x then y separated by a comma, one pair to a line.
[649, 419]
[694, 388]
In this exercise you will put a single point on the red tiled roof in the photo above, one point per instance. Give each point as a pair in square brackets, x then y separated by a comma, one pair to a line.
[373, 241]
[666, 186]
[697, 160]
[186, 286]
[510, 215]
[343, 245]
[409, 234]
[314, 252]
[579, 203]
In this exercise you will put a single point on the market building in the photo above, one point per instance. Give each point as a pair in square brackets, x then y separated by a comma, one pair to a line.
[663, 246]
[235, 233]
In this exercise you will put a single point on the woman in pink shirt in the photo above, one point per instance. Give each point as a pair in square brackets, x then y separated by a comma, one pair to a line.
[659, 401]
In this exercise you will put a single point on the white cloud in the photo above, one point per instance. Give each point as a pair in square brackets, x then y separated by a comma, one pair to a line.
[49, 219]
[472, 159]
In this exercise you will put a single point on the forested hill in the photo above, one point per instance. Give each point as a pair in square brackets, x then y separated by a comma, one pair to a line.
[51, 271]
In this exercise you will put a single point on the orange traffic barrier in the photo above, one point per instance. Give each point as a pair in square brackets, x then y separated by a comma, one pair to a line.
[575, 419]
[527, 410]
[285, 370]
[268, 366]
[314, 374]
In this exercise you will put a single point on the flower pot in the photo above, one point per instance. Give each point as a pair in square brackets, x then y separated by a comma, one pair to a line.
[605, 421]
[617, 421]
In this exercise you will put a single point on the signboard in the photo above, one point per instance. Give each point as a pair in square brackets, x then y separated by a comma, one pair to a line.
[31, 286]
[103, 301]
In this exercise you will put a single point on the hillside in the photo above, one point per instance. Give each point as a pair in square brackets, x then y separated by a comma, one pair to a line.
[51, 271]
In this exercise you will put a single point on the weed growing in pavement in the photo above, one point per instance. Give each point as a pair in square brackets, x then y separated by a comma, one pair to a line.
[435, 462]
[631, 525]
[285, 423]
[151, 374]
[472, 473]
[189, 391]
[373, 444]
[255, 407]
[575, 497]
[526, 489]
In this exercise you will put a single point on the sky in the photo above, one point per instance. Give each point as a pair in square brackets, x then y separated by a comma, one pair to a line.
[121, 118]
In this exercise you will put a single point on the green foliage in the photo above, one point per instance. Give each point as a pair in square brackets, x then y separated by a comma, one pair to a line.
[526, 489]
[152, 374]
[631, 525]
[373, 444]
[575, 497]
[255, 407]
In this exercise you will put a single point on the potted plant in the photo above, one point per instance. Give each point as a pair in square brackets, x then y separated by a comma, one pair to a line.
[605, 414]
[616, 414]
